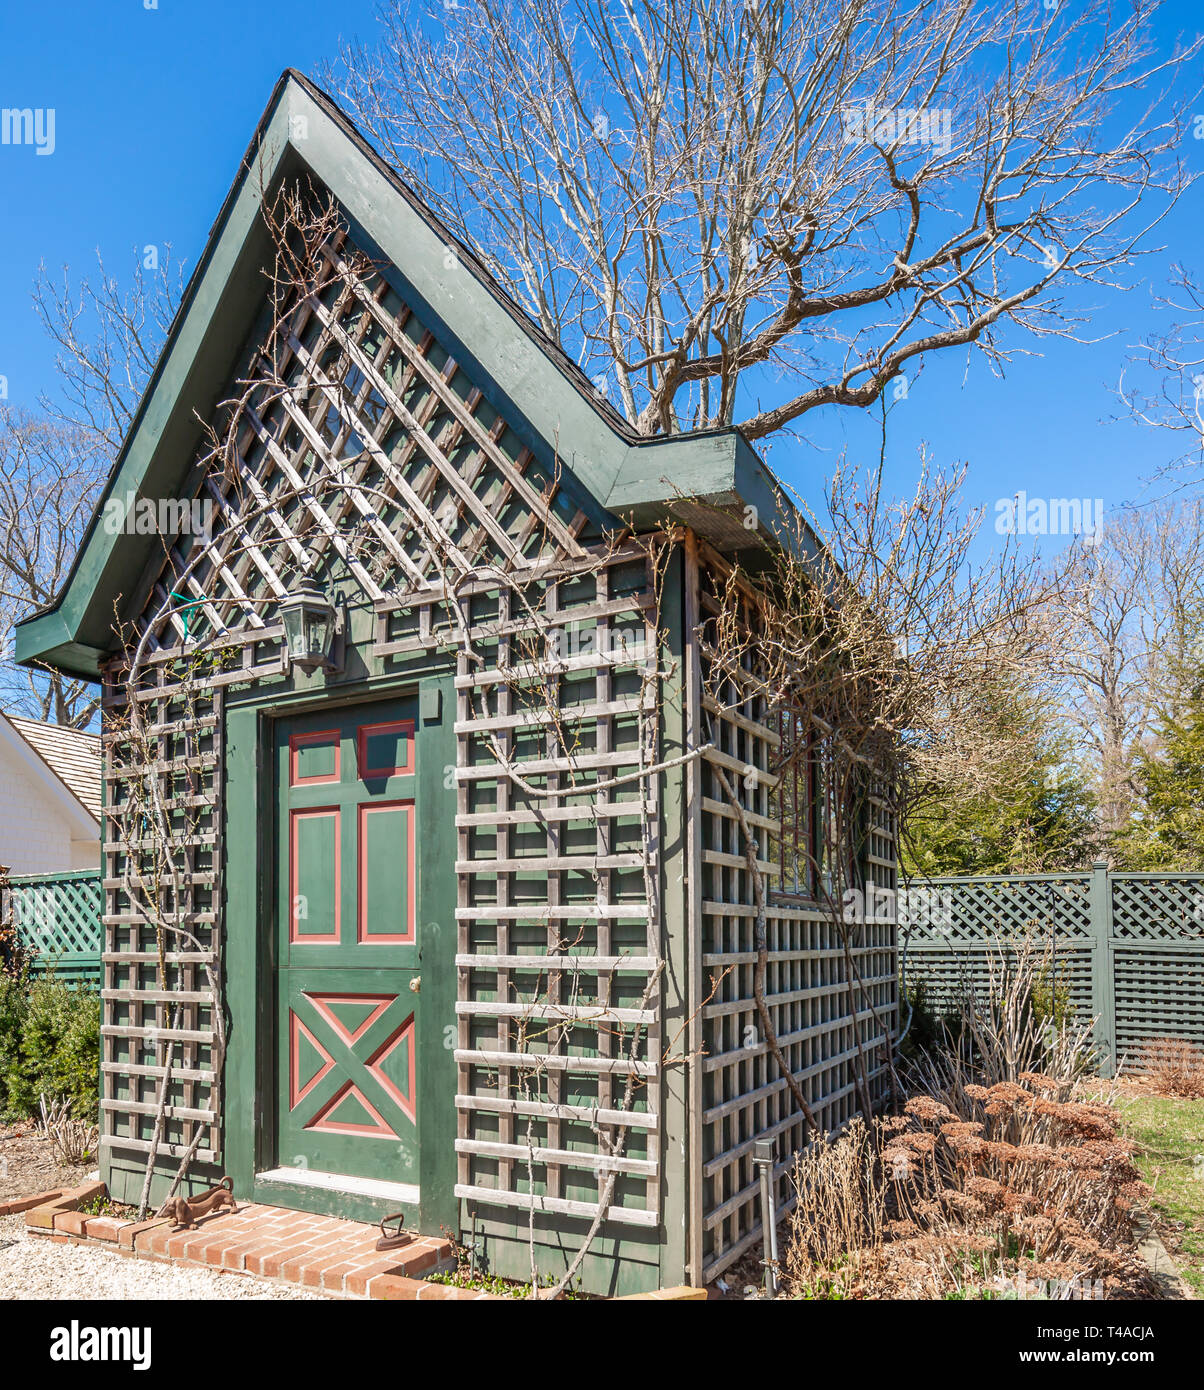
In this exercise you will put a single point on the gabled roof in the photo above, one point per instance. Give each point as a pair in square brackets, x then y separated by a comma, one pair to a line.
[65, 761]
[72, 754]
[529, 378]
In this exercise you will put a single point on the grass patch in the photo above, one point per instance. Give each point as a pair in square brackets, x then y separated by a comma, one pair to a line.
[1170, 1131]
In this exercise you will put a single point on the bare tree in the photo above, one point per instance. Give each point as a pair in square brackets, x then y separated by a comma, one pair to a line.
[108, 337]
[53, 464]
[1130, 622]
[1169, 390]
[682, 192]
[50, 476]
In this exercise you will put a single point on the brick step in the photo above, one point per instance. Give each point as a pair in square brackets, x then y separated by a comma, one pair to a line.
[294, 1247]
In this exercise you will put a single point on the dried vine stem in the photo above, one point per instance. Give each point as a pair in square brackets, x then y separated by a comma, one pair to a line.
[869, 639]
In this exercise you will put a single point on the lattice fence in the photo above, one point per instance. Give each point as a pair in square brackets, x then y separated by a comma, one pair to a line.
[1128, 948]
[57, 920]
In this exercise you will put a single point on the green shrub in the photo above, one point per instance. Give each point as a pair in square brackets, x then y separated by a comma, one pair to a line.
[929, 1027]
[14, 1005]
[52, 1047]
[1050, 1000]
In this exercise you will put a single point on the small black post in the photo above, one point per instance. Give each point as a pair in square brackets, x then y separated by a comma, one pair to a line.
[763, 1159]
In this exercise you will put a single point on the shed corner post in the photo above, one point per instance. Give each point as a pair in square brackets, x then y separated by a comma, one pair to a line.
[678, 1155]
[692, 675]
[1103, 999]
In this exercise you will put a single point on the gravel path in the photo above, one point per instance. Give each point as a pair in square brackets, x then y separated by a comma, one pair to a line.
[35, 1267]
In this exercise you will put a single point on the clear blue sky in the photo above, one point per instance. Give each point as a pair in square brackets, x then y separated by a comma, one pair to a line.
[154, 108]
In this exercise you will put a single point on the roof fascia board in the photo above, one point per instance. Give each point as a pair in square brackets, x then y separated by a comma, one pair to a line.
[106, 557]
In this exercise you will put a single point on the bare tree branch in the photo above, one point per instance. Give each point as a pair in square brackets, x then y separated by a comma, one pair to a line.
[740, 212]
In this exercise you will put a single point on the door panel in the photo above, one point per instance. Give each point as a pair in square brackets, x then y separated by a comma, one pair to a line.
[386, 873]
[347, 934]
[315, 870]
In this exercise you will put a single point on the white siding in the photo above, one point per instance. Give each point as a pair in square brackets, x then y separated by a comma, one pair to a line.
[35, 836]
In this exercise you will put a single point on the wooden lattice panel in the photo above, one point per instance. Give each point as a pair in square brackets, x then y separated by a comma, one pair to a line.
[367, 449]
[157, 1000]
[57, 922]
[1158, 908]
[949, 975]
[1159, 994]
[1127, 948]
[968, 911]
[559, 937]
[744, 1096]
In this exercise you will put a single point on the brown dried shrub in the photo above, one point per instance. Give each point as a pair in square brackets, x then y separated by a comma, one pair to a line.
[1173, 1067]
[993, 1177]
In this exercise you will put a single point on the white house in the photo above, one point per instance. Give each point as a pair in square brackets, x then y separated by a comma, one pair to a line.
[49, 797]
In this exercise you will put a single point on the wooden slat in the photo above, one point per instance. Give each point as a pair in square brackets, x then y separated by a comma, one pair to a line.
[623, 1216]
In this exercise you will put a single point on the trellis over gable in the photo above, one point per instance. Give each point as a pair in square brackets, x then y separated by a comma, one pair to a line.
[522, 375]
[366, 449]
[421, 443]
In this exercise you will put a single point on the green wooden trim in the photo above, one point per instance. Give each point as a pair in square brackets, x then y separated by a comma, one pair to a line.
[69, 875]
[243, 1091]
[348, 1206]
[678, 1164]
[122, 1173]
[436, 738]
[1103, 983]
[617, 1264]
[199, 355]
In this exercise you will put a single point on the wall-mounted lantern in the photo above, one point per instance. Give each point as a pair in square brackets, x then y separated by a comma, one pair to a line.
[313, 628]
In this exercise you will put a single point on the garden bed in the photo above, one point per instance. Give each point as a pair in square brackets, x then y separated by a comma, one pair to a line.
[28, 1163]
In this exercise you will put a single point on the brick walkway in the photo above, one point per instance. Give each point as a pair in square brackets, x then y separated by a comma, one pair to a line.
[295, 1247]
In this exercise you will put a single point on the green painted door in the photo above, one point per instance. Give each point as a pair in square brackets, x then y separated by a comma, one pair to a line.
[347, 942]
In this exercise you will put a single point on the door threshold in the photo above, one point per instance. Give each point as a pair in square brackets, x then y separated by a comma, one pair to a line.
[342, 1182]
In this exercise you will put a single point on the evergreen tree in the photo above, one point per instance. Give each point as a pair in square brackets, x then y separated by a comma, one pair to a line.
[1166, 829]
[1033, 812]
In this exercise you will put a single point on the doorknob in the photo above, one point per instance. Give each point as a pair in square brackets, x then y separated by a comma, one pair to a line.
[415, 984]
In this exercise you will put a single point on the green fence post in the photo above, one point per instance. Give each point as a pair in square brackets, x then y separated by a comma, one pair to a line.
[1103, 993]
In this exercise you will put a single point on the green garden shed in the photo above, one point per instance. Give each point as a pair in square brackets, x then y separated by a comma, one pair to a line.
[423, 886]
